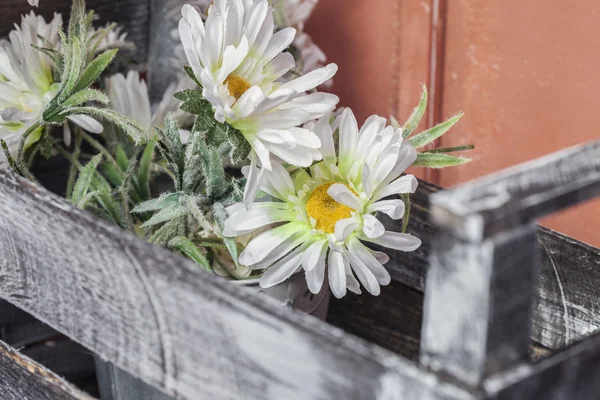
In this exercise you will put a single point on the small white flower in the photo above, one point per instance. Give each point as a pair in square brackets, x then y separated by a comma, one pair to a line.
[129, 97]
[114, 39]
[34, 2]
[239, 61]
[26, 80]
[324, 215]
[293, 12]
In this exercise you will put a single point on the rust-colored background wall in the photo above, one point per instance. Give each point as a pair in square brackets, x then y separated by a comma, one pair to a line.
[526, 73]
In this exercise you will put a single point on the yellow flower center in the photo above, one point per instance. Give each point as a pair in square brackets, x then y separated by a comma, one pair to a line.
[325, 210]
[237, 86]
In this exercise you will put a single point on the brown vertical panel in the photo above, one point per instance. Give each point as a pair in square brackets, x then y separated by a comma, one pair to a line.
[527, 75]
[383, 50]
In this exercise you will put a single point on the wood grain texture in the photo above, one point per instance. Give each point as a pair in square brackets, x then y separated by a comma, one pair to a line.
[184, 331]
[566, 308]
[478, 304]
[571, 374]
[21, 378]
[524, 193]
[132, 15]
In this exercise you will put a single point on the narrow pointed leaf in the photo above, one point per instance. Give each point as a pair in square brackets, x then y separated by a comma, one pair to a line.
[144, 170]
[416, 116]
[439, 160]
[168, 213]
[188, 248]
[84, 181]
[432, 134]
[84, 96]
[95, 68]
[164, 201]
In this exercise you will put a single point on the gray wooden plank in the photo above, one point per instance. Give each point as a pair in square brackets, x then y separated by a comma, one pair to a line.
[567, 303]
[478, 303]
[572, 374]
[520, 194]
[133, 15]
[176, 327]
[22, 378]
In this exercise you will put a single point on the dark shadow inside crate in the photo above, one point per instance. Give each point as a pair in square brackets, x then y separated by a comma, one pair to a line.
[48, 347]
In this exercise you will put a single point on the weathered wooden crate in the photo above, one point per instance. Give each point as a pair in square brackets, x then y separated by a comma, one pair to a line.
[510, 310]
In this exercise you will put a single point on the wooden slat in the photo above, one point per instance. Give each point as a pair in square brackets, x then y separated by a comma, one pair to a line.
[524, 193]
[133, 15]
[572, 374]
[478, 304]
[162, 319]
[567, 304]
[22, 378]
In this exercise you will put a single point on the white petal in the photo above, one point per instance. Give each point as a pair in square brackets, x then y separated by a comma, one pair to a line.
[283, 119]
[384, 165]
[281, 270]
[394, 208]
[312, 79]
[404, 184]
[370, 260]
[406, 158]
[86, 122]
[365, 276]
[372, 227]
[314, 255]
[315, 277]
[253, 181]
[298, 156]
[372, 126]
[305, 138]
[284, 248]
[279, 42]
[316, 104]
[281, 65]
[344, 227]
[248, 102]
[348, 133]
[337, 274]
[260, 247]
[280, 137]
[380, 256]
[397, 241]
[247, 221]
[343, 195]
[279, 178]
[323, 130]
[232, 58]
[351, 282]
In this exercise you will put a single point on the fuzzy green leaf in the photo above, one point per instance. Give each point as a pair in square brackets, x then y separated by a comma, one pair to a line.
[174, 148]
[112, 173]
[415, 118]
[84, 181]
[130, 127]
[451, 149]
[171, 212]
[144, 170]
[220, 215]
[188, 70]
[165, 233]
[193, 102]
[189, 249]
[95, 68]
[439, 160]
[432, 134]
[122, 158]
[85, 95]
[164, 201]
[406, 218]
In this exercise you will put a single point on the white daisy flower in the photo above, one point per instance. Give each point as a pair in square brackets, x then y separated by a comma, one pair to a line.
[324, 215]
[239, 61]
[293, 12]
[129, 97]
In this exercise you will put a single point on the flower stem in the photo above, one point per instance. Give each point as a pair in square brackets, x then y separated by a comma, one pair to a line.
[450, 149]
[21, 164]
[73, 171]
[406, 218]
[99, 147]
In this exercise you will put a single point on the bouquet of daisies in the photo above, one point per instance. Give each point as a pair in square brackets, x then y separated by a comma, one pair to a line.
[244, 166]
